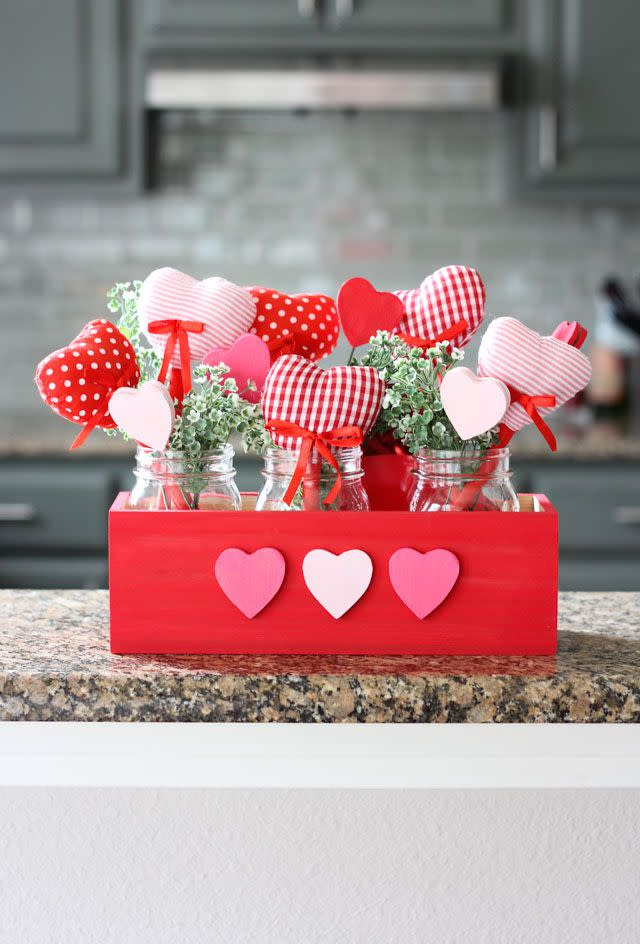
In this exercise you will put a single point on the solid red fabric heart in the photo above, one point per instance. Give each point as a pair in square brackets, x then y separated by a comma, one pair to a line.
[449, 305]
[302, 324]
[76, 381]
[297, 391]
[363, 311]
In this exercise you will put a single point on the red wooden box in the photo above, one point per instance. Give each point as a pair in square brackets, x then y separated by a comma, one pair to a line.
[165, 597]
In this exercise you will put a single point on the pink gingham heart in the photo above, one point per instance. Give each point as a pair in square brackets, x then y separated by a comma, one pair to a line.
[446, 298]
[473, 404]
[531, 364]
[296, 391]
[226, 310]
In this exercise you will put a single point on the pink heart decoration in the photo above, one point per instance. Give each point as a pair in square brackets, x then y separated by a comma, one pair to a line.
[473, 404]
[320, 400]
[363, 311]
[147, 414]
[446, 297]
[532, 364]
[337, 581]
[423, 581]
[227, 310]
[250, 581]
[248, 358]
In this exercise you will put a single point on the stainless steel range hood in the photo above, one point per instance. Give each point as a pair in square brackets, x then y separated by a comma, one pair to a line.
[458, 87]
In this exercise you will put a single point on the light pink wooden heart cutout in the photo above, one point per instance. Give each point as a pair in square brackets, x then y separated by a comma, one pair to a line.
[250, 581]
[147, 413]
[337, 581]
[423, 581]
[226, 309]
[248, 358]
[533, 364]
[473, 404]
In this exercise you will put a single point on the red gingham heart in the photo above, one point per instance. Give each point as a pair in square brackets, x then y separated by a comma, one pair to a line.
[75, 380]
[531, 364]
[226, 310]
[448, 296]
[295, 324]
[299, 392]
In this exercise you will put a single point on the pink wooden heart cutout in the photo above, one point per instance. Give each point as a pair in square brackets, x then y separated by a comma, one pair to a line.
[363, 311]
[147, 413]
[248, 358]
[250, 581]
[337, 581]
[473, 404]
[423, 581]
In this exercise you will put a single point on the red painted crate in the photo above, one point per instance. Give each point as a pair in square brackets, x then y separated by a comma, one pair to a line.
[165, 597]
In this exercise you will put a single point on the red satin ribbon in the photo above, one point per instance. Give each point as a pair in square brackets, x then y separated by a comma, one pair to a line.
[102, 380]
[177, 331]
[341, 438]
[531, 405]
[447, 335]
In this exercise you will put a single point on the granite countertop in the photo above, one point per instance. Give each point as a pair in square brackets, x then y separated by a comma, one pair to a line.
[55, 665]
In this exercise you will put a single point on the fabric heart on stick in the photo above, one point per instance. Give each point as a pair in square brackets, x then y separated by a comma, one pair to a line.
[448, 306]
[308, 408]
[541, 373]
[304, 324]
[184, 318]
[77, 381]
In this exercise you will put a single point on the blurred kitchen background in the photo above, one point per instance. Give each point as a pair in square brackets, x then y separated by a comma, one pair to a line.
[295, 143]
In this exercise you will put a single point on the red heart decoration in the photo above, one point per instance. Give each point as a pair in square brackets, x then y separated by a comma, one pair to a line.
[533, 365]
[363, 311]
[76, 381]
[247, 359]
[295, 324]
[445, 299]
[299, 392]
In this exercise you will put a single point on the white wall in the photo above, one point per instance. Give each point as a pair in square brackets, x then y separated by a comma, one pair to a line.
[105, 866]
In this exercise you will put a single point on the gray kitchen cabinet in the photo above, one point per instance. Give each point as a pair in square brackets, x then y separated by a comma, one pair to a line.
[325, 24]
[70, 93]
[578, 130]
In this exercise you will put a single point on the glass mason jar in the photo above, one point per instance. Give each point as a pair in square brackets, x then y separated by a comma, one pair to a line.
[176, 482]
[463, 481]
[319, 478]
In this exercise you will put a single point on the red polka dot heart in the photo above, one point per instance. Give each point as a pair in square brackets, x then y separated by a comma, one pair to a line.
[76, 381]
[295, 324]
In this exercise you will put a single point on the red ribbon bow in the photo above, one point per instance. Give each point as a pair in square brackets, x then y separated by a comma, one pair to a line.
[103, 379]
[177, 331]
[341, 438]
[447, 335]
[530, 405]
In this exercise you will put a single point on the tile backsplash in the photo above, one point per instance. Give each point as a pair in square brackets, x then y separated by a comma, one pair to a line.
[298, 202]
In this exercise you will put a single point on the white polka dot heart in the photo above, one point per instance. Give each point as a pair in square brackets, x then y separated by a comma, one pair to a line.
[76, 381]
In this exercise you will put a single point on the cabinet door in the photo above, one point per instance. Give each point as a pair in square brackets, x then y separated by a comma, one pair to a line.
[582, 125]
[445, 16]
[182, 20]
[68, 104]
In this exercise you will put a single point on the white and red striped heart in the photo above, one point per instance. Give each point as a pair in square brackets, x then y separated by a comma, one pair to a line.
[534, 365]
[225, 309]
[446, 298]
[76, 381]
[302, 324]
[296, 391]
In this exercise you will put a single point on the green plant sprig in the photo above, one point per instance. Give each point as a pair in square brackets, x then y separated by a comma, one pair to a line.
[412, 409]
[123, 298]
